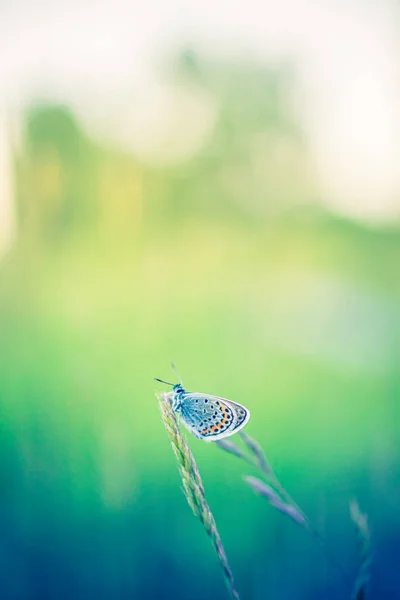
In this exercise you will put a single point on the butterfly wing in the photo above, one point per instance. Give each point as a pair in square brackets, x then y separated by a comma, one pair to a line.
[211, 417]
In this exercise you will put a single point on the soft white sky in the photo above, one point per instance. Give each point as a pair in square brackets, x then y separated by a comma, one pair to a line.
[95, 54]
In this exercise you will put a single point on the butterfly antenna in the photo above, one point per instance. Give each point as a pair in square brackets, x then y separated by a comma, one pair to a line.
[176, 371]
[162, 381]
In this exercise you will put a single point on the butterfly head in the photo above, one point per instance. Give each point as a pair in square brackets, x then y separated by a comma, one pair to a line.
[178, 389]
[177, 393]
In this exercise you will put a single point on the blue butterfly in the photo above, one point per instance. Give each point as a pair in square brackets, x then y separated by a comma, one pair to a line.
[208, 417]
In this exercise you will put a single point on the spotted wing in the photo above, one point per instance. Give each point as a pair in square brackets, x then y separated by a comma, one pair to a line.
[211, 417]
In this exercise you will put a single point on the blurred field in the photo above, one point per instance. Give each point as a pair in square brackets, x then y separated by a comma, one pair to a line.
[228, 263]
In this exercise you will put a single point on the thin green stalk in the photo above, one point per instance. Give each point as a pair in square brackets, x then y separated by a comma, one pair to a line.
[360, 521]
[274, 492]
[194, 489]
[272, 478]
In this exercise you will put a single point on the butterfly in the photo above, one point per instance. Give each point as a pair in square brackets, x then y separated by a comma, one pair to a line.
[207, 417]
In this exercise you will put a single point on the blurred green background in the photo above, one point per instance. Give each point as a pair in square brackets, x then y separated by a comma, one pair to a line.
[228, 261]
